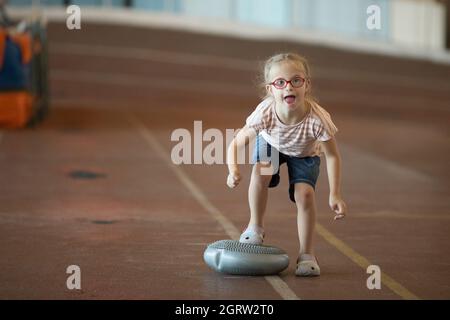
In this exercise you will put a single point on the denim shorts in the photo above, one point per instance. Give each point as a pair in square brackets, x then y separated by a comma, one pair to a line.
[304, 169]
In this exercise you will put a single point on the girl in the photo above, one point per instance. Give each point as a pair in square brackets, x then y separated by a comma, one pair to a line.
[290, 128]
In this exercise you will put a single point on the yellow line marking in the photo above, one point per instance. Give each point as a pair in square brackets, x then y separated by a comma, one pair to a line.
[364, 263]
[276, 282]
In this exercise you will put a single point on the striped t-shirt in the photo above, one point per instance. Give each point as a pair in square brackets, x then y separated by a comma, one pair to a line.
[298, 140]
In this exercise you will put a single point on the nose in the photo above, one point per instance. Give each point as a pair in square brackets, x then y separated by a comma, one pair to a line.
[289, 86]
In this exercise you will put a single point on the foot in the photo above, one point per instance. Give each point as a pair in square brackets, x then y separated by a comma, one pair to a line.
[253, 235]
[307, 266]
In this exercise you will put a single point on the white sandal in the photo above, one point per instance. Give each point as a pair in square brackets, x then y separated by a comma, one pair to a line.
[307, 266]
[252, 235]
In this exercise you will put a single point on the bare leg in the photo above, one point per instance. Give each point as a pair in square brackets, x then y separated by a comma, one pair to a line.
[306, 216]
[257, 195]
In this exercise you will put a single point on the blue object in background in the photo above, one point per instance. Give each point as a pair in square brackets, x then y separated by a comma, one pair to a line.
[13, 74]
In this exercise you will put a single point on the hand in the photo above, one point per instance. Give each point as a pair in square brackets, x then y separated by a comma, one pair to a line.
[233, 179]
[338, 206]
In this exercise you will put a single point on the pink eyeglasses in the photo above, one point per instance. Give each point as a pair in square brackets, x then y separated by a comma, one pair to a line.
[281, 83]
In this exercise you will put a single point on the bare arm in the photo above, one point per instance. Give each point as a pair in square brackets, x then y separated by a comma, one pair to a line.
[242, 138]
[333, 159]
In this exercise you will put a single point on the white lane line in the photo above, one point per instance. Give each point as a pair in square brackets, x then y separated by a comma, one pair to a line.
[232, 231]
[208, 60]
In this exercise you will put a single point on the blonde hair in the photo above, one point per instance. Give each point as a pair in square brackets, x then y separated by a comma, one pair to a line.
[310, 100]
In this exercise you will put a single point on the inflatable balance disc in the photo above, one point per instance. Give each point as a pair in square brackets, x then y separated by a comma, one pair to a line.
[233, 257]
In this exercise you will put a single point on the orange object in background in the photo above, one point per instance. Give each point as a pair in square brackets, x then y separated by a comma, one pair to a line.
[15, 109]
[15, 106]
[25, 44]
[24, 41]
[18, 101]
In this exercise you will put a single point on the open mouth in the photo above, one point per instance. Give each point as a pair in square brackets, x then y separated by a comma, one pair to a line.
[289, 99]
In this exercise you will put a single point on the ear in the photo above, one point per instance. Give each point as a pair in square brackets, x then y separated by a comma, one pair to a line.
[269, 89]
[308, 85]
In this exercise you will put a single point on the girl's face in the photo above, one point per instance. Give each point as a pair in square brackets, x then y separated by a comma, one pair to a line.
[288, 85]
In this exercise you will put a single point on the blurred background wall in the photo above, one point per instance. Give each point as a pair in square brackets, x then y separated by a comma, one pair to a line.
[414, 23]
